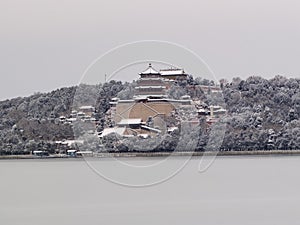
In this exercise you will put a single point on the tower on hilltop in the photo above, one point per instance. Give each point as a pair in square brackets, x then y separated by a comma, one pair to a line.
[151, 84]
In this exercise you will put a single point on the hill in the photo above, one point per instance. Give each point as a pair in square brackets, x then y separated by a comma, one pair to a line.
[262, 114]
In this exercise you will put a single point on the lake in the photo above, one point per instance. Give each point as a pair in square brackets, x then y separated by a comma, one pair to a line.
[234, 190]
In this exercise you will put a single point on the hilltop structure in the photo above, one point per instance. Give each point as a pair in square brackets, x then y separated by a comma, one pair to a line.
[151, 84]
[150, 111]
[154, 84]
[173, 74]
[150, 104]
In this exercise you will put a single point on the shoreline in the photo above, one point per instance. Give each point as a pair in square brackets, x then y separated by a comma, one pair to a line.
[162, 154]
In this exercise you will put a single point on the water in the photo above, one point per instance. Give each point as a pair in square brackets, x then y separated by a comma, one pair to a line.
[235, 190]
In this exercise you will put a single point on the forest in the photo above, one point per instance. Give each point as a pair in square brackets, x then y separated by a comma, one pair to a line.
[262, 114]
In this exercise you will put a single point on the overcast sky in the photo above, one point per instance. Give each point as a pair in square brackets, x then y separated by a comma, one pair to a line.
[47, 44]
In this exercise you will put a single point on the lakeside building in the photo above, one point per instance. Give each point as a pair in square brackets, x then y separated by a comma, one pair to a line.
[150, 104]
[173, 74]
[130, 128]
[84, 114]
[150, 111]
[87, 110]
[154, 84]
[150, 84]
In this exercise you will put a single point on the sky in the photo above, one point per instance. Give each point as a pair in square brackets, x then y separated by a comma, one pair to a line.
[48, 44]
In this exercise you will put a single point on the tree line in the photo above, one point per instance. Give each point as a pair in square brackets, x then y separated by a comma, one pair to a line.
[262, 114]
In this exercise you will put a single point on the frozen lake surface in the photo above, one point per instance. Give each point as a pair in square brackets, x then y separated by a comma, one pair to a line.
[234, 190]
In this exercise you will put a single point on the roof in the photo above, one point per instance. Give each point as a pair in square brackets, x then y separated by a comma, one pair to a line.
[171, 129]
[171, 100]
[87, 107]
[215, 107]
[139, 87]
[185, 97]
[137, 97]
[151, 129]
[38, 151]
[84, 152]
[70, 142]
[117, 130]
[149, 70]
[143, 135]
[130, 121]
[151, 78]
[126, 101]
[220, 110]
[71, 119]
[175, 71]
[71, 151]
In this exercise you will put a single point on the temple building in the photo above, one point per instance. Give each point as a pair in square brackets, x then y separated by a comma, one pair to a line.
[151, 84]
[151, 112]
[173, 74]
[150, 104]
[154, 84]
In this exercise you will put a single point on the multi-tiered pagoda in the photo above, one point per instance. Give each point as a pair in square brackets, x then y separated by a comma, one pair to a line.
[150, 107]
[151, 84]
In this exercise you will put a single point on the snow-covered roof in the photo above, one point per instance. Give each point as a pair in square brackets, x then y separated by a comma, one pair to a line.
[166, 72]
[38, 151]
[139, 87]
[215, 107]
[151, 129]
[126, 101]
[140, 97]
[128, 135]
[117, 130]
[148, 97]
[70, 142]
[171, 100]
[220, 111]
[171, 129]
[130, 121]
[71, 119]
[84, 152]
[86, 107]
[185, 97]
[151, 78]
[71, 151]
[143, 135]
[149, 70]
